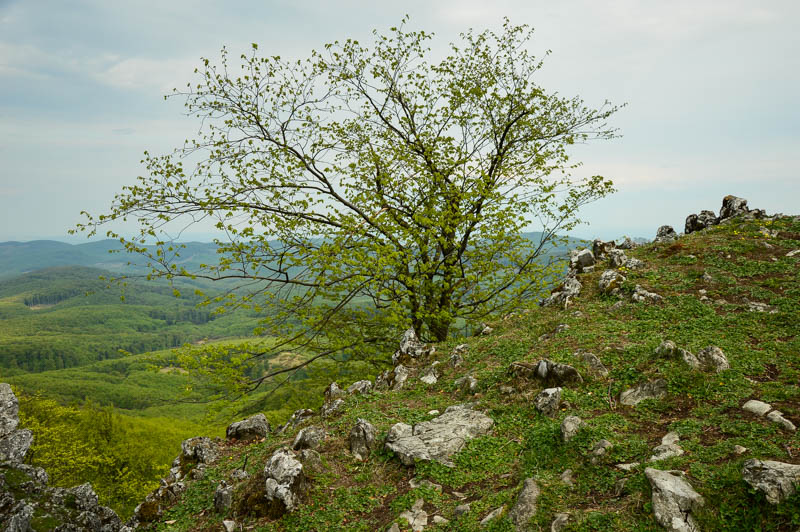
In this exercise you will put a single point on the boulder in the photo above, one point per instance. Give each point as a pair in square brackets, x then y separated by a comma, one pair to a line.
[331, 409]
[431, 374]
[199, 450]
[417, 517]
[762, 409]
[9, 410]
[654, 389]
[627, 243]
[439, 438]
[668, 449]
[581, 260]
[666, 234]
[548, 401]
[673, 500]
[285, 482]
[525, 507]
[491, 516]
[713, 359]
[360, 387]
[223, 497]
[633, 263]
[610, 280]
[14, 446]
[333, 392]
[617, 258]
[698, 222]
[732, 206]
[602, 447]
[777, 480]
[668, 349]
[362, 439]
[600, 249]
[559, 523]
[640, 295]
[253, 428]
[570, 427]
[309, 438]
[546, 372]
[562, 294]
[411, 348]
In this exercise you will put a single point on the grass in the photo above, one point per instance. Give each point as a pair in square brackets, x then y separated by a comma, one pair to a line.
[704, 409]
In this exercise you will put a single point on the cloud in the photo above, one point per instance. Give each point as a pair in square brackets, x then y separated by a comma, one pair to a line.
[146, 73]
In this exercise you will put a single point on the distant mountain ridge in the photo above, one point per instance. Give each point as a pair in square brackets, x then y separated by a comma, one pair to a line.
[23, 257]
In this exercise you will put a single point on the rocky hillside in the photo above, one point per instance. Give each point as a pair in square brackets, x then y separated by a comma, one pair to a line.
[658, 387]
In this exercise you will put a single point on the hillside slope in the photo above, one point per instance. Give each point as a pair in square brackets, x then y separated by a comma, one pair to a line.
[707, 324]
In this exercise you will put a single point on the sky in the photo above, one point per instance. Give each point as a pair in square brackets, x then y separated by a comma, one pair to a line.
[711, 89]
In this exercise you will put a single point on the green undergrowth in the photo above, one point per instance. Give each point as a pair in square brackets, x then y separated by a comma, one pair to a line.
[763, 348]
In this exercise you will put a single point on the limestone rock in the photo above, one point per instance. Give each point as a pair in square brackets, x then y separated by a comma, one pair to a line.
[732, 206]
[580, 260]
[411, 348]
[640, 295]
[199, 450]
[362, 439]
[9, 410]
[761, 408]
[525, 507]
[562, 294]
[417, 517]
[424, 483]
[633, 264]
[331, 409]
[311, 460]
[229, 525]
[284, 483]
[393, 379]
[14, 446]
[777, 480]
[666, 234]
[600, 249]
[462, 509]
[654, 389]
[548, 401]
[668, 349]
[309, 438]
[253, 428]
[610, 280]
[485, 330]
[669, 448]
[546, 372]
[567, 478]
[438, 438]
[674, 500]
[360, 387]
[559, 523]
[602, 447]
[627, 243]
[431, 374]
[491, 516]
[713, 359]
[698, 222]
[333, 392]
[617, 258]
[570, 427]
[223, 497]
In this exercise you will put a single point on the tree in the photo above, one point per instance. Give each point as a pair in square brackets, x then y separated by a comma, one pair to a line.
[368, 189]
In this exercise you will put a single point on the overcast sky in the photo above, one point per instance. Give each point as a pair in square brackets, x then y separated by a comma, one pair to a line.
[712, 89]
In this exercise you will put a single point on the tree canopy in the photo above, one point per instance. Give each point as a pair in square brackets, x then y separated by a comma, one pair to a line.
[367, 189]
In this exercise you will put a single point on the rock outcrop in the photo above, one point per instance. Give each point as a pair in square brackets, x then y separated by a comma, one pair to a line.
[24, 493]
[439, 438]
[654, 389]
[674, 500]
[285, 482]
[253, 428]
[777, 480]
